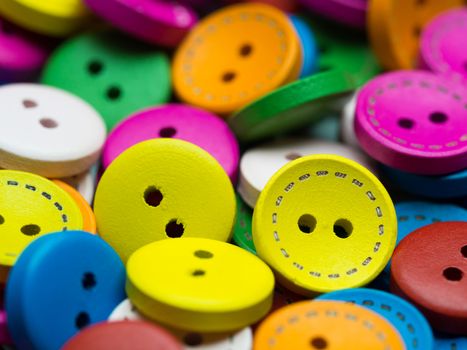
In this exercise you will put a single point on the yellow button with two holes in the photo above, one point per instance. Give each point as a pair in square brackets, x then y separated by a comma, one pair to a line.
[324, 223]
[236, 55]
[163, 188]
[50, 17]
[31, 206]
[199, 284]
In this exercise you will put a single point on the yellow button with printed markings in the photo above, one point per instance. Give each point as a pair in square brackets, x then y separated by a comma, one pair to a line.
[31, 206]
[51, 17]
[199, 284]
[324, 223]
[236, 55]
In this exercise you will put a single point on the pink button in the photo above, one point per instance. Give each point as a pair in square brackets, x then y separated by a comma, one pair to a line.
[443, 46]
[22, 54]
[414, 121]
[4, 334]
[179, 121]
[155, 21]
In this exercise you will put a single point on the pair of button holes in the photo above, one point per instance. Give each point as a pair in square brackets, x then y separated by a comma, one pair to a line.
[455, 274]
[95, 67]
[245, 51]
[437, 118]
[201, 254]
[342, 227]
[47, 123]
[88, 282]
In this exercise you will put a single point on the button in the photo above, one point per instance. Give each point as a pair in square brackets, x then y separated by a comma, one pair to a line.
[429, 268]
[414, 215]
[259, 164]
[349, 12]
[308, 45]
[310, 325]
[89, 220]
[394, 27]
[31, 207]
[413, 121]
[163, 188]
[123, 336]
[84, 183]
[202, 265]
[54, 18]
[5, 338]
[240, 340]
[62, 282]
[348, 121]
[290, 107]
[408, 321]
[443, 44]
[303, 209]
[242, 234]
[180, 122]
[23, 53]
[157, 22]
[100, 62]
[248, 65]
[47, 131]
[450, 343]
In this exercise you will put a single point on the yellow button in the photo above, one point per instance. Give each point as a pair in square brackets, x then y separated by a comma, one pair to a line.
[324, 223]
[199, 284]
[236, 55]
[31, 206]
[163, 188]
[51, 17]
[329, 325]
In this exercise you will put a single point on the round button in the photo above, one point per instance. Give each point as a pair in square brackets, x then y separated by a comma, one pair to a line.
[413, 121]
[453, 185]
[31, 207]
[89, 220]
[62, 282]
[54, 18]
[248, 66]
[23, 54]
[331, 206]
[100, 61]
[84, 183]
[163, 188]
[429, 268]
[47, 131]
[259, 164]
[450, 343]
[349, 12]
[443, 44]
[242, 234]
[157, 22]
[308, 45]
[290, 107]
[313, 325]
[408, 321]
[180, 122]
[394, 27]
[123, 336]
[187, 294]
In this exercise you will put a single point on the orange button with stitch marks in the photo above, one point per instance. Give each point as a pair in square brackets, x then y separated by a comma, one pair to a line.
[235, 55]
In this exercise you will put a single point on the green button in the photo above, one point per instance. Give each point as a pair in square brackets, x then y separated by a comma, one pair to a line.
[115, 74]
[242, 235]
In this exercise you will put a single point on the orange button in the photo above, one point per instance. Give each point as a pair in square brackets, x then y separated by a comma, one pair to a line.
[89, 220]
[235, 55]
[395, 26]
[330, 325]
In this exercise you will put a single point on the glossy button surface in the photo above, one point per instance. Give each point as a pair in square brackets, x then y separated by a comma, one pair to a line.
[212, 287]
[163, 188]
[318, 239]
[249, 66]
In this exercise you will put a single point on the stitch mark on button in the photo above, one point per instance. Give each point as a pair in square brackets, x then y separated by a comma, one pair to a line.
[174, 229]
[307, 223]
[453, 274]
[167, 132]
[153, 196]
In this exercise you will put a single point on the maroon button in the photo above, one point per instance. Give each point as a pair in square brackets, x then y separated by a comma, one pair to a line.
[429, 268]
[124, 335]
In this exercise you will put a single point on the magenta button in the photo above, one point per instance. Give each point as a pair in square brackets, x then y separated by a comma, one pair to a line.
[179, 121]
[158, 22]
[414, 121]
[350, 12]
[443, 46]
[22, 54]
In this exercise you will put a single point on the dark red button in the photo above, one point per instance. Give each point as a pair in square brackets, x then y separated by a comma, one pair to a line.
[124, 335]
[429, 268]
